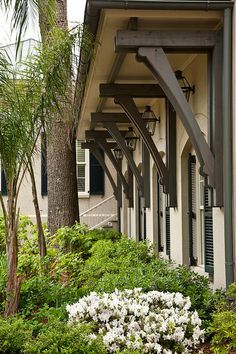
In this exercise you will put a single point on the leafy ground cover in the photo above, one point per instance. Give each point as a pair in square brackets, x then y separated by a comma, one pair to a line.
[79, 262]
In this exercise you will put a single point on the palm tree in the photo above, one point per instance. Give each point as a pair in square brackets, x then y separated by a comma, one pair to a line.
[32, 94]
[63, 206]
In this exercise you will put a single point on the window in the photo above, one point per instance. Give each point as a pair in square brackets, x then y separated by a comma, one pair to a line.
[82, 169]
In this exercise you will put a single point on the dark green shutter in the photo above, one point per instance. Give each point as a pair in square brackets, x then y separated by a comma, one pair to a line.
[160, 217]
[168, 231]
[3, 183]
[208, 228]
[96, 176]
[192, 205]
[44, 176]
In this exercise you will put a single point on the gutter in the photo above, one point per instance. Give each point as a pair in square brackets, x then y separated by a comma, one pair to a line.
[94, 7]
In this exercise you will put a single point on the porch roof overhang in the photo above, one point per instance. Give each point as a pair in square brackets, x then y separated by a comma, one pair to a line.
[109, 67]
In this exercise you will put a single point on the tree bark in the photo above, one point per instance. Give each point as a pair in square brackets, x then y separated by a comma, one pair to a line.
[63, 208]
[41, 236]
[62, 184]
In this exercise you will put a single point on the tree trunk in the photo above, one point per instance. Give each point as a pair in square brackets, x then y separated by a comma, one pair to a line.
[41, 237]
[63, 209]
[13, 281]
[62, 184]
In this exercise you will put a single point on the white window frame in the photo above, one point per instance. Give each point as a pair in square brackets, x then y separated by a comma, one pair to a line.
[86, 193]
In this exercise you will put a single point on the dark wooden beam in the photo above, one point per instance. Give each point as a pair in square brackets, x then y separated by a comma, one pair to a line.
[217, 121]
[130, 108]
[97, 118]
[146, 175]
[130, 41]
[93, 134]
[171, 153]
[155, 59]
[105, 146]
[114, 131]
[131, 187]
[133, 90]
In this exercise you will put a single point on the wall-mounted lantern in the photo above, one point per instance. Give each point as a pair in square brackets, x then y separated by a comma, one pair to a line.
[131, 139]
[150, 120]
[118, 154]
[184, 84]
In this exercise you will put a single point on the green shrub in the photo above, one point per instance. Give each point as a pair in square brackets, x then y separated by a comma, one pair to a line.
[14, 332]
[126, 264]
[58, 337]
[79, 238]
[223, 329]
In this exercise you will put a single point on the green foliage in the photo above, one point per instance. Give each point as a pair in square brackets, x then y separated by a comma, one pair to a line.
[46, 332]
[79, 261]
[127, 264]
[223, 329]
[58, 337]
[14, 332]
[3, 279]
[2, 235]
[79, 238]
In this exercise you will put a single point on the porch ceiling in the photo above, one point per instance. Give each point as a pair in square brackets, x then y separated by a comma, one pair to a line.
[131, 70]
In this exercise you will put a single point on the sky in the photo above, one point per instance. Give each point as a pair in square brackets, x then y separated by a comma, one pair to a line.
[75, 14]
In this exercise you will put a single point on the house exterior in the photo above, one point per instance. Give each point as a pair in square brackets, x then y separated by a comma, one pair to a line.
[96, 201]
[168, 64]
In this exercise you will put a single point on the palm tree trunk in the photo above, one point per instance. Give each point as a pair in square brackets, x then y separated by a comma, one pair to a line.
[63, 208]
[13, 281]
[41, 236]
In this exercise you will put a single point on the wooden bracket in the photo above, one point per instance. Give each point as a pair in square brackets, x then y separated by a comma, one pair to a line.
[156, 60]
[115, 133]
[128, 104]
[105, 146]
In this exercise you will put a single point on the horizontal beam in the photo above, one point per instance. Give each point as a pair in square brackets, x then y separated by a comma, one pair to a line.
[133, 90]
[93, 134]
[88, 145]
[130, 41]
[99, 117]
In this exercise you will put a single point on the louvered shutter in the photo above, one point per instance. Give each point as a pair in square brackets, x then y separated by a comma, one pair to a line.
[96, 176]
[168, 231]
[44, 176]
[3, 183]
[160, 218]
[208, 228]
[192, 210]
[81, 168]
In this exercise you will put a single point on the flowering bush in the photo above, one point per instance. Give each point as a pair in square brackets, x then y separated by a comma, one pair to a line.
[153, 322]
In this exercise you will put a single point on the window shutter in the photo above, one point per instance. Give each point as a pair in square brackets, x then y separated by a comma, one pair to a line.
[44, 176]
[192, 210]
[3, 183]
[96, 176]
[168, 231]
[160, 218]
[208, 228]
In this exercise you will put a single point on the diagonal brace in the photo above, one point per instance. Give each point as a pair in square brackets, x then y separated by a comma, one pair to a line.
[127, 103]
[106, 148]
[115, 133]
[156, 60]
